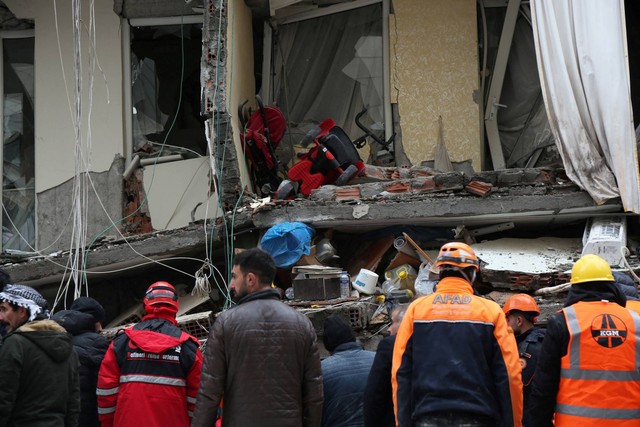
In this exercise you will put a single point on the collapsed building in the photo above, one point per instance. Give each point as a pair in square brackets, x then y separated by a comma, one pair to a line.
[474, 121]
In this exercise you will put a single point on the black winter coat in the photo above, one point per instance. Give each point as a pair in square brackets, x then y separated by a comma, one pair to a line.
[39, 377]
[378, 396]
[91, 348]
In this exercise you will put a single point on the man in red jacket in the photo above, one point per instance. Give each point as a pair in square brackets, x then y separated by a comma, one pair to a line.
[151, 373]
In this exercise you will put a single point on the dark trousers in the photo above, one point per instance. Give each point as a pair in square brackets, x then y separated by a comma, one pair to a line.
[453, 419]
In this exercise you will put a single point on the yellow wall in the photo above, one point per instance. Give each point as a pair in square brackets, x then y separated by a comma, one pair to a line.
[434, 73]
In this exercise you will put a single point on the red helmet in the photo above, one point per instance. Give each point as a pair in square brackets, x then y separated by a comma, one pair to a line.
[521, 302]
[458, 255]
[161, 295]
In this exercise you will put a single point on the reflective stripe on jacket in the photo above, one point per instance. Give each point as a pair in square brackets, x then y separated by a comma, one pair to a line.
[454, 353]
[633, 305]
[599, 376]
[149, 377]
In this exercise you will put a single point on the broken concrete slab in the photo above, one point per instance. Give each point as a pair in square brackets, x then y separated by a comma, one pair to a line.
[438, 210]
[54, 204]
[535, 256]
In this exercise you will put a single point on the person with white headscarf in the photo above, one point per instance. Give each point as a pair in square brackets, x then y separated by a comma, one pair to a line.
[38, 366]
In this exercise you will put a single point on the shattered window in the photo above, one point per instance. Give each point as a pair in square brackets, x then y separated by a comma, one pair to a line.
[18, 195]
[165, 89]
[332, 67]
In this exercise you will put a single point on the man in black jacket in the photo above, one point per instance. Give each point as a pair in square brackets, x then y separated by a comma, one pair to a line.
[522, 312]
[38, 367]
[378, 395]
[82, 321]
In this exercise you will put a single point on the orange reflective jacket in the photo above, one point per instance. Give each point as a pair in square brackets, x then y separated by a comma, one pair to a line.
[633, 305]
[599, 377]
[454, 354]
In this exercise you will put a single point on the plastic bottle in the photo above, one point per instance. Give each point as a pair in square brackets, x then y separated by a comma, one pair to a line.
[425, 286]
[404, 281]
[344, 285]
[388, 286]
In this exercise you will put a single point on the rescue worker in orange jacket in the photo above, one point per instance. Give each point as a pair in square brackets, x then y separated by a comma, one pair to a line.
[589, 368]
[454, 361]
[521, 311]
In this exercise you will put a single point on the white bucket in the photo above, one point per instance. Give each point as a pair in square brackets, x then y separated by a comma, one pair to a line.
[366, 281]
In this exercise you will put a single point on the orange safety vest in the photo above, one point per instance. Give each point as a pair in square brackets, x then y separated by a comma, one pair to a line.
[634, 305]
[600, 374]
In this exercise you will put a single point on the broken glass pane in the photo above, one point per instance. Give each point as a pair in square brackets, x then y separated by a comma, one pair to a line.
[165, 90]
[331, 67]
[18, 195]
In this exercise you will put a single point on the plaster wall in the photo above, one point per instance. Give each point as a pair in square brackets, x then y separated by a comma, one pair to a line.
[435, 73]
[101, 125]
[177, 190]
[102, 217]
[99, 130]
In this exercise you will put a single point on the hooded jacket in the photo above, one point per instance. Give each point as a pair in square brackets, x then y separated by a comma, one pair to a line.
[39, 372]
[149, 376]
[546, 381]
[91, 347]
[262, 356]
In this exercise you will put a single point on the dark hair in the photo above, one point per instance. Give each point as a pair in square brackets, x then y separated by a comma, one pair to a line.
[529, 316]
[4, 278]
[258, 262]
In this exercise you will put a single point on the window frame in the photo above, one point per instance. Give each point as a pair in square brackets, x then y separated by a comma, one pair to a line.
[16, 34]
[126, 66]
[267, 84]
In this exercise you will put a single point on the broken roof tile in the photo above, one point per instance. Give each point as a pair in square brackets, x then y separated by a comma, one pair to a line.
[347, 193]
[422, 185]
[478, 188]
[398, 187]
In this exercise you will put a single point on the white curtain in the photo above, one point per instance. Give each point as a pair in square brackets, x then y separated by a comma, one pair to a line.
[582, 62]
[331, 67]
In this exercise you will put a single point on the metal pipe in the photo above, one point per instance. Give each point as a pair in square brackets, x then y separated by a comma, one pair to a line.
[163, 159]
[135, 163]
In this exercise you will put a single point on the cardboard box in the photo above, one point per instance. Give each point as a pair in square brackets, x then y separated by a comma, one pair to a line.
[309, 259]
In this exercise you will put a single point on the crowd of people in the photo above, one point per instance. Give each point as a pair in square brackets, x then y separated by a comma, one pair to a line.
[452, 358]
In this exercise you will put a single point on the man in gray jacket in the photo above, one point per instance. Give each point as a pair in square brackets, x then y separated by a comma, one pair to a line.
[261, 360]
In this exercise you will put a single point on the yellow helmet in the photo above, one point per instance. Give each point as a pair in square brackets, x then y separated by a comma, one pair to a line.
[591, 268]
